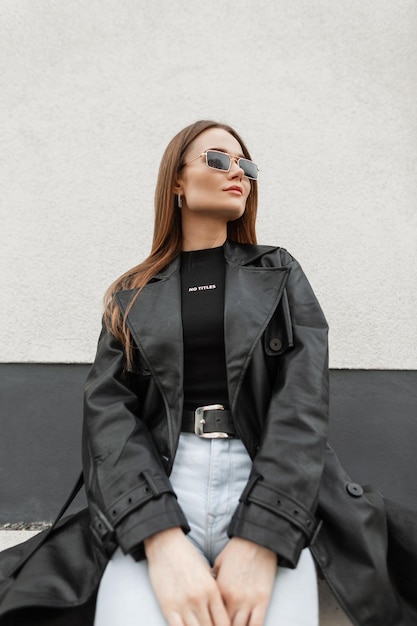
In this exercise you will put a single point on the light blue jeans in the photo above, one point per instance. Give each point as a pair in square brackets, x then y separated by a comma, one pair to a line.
[208, 477]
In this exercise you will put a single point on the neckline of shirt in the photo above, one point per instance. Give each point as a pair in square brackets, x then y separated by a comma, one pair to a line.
[206, 254]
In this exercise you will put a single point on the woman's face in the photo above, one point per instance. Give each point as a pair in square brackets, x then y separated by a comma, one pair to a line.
[210, 192]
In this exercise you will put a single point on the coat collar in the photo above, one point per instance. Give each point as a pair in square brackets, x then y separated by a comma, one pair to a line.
[253, 287]
[234, 254]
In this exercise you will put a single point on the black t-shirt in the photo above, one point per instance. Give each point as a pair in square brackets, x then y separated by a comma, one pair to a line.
[202, 302]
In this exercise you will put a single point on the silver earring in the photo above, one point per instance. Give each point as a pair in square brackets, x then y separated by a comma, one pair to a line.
[179, 201]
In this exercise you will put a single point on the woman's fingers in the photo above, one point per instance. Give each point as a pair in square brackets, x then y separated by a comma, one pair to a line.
[187, 611]
[245, 577]
[218, 611]
[183, 583]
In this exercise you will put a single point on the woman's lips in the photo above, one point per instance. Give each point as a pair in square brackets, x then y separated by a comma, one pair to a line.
[235, 189]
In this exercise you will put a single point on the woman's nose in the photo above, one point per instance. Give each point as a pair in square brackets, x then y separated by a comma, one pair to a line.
[235, 169]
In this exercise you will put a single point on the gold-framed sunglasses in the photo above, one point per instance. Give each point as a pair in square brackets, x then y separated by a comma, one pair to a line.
[218, 160]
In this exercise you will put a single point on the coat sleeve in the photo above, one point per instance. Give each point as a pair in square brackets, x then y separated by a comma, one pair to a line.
[278, 505]
[129, 494]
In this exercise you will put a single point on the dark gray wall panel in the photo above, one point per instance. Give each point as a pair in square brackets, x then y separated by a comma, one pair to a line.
[373, 429]
[40, 445]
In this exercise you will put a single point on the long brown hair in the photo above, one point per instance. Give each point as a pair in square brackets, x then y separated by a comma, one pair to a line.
[167, 234]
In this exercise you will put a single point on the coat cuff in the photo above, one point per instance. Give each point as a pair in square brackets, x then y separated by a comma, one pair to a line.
[271, 518]
[147, 508]
[167, 514]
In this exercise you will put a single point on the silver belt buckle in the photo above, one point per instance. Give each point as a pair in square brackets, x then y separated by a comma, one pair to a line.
[199, 422]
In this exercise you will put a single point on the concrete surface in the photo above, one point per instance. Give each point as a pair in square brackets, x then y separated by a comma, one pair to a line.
[330, 613]
[9, 538]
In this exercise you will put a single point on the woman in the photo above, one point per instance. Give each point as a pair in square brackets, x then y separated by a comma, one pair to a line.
[206, 410]
[205, 439]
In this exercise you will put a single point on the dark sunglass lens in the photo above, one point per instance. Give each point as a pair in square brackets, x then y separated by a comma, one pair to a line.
[218, 160]
[249, 168]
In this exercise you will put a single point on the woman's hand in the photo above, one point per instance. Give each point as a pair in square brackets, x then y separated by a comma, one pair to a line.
[245, 576]
[182, 581]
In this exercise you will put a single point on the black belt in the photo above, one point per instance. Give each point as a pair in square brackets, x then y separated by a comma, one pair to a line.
[210, 421]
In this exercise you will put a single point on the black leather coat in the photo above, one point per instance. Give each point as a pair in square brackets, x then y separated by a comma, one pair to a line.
[298, 494]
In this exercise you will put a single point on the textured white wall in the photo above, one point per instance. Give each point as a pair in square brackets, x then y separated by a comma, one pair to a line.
[325, 94]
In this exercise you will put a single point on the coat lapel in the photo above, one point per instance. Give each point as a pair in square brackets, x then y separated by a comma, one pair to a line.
[251, 297]
[155, 323]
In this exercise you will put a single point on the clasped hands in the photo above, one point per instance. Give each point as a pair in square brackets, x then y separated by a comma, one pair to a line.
[236, 592]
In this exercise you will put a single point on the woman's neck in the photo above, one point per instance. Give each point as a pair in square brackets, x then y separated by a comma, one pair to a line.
[201, 235]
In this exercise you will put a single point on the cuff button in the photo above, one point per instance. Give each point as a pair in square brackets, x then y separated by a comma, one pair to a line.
[354, 490]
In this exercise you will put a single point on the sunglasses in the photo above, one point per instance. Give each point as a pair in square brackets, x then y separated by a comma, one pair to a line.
[223, 161]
